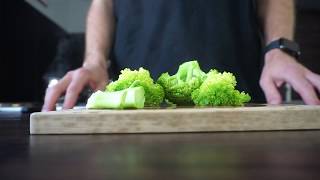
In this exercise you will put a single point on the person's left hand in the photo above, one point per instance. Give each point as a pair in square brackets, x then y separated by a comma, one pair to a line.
[279, 68]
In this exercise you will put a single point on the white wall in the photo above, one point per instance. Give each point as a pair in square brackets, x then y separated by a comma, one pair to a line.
[68, 14]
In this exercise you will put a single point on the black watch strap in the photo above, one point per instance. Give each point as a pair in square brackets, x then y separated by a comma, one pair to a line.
[290, 47]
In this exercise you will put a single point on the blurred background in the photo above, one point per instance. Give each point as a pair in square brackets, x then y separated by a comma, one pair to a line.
[42, 39]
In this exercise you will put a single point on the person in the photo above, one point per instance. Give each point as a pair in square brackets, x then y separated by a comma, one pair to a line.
[159, 35]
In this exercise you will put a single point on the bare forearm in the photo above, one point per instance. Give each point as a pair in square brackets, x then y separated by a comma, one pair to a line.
[100, 25]
[99, 33]
[278, 19]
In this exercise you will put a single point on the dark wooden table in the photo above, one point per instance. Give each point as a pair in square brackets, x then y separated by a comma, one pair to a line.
[228, 155]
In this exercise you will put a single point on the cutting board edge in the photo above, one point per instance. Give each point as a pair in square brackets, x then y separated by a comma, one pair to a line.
[141, 124]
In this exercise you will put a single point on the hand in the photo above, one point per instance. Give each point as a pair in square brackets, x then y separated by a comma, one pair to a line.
[280, 68]
[73, 83]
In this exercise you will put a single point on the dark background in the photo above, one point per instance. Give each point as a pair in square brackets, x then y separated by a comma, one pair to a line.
[29, 43]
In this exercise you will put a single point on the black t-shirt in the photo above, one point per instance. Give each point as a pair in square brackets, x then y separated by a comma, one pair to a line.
[161, 34]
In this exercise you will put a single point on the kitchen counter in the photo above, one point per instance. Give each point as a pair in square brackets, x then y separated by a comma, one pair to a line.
[227, 155]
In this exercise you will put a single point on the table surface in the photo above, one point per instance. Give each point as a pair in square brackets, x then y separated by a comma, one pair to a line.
[224, 155]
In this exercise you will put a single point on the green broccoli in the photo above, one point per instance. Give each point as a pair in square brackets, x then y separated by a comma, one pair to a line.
[132, 97]
[154, 93]
[219, 90]
[189, 86]
[178, 88]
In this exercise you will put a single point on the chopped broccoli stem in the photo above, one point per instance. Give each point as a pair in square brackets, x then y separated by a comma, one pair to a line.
[128, 98]
[154, 93]
[102, 100]
[135, 98]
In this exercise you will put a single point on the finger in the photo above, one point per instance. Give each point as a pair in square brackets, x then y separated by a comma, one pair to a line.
[101, 86]
[53, 93]
[304, 88]
[98, 86]
[270, 90]
[314, 79]
[79, 80]
[279, 83]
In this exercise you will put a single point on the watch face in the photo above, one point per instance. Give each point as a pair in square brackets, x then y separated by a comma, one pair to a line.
[286, 44]
[290, 47]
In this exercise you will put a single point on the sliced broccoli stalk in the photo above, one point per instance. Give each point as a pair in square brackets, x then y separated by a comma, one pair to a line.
[154, 93]
[133, 97]
[106, 100]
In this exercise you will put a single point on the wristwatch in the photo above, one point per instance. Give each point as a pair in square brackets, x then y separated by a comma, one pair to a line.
[290, 47]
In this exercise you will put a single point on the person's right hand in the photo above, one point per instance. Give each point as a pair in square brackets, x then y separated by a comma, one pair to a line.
[94, 75]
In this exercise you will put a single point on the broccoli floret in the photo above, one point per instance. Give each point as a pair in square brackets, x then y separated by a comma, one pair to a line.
[154, 93]
[178, 87]
[132, 97]
[219, 90]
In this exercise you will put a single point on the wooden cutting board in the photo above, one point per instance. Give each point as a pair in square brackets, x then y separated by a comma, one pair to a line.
[82, 121]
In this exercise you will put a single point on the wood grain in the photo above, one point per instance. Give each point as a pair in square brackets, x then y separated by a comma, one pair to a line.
[298, 117]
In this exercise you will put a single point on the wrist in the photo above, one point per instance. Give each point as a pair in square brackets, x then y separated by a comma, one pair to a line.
[272, 54]
[274, 38]
[94, 60]
[284, 45]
